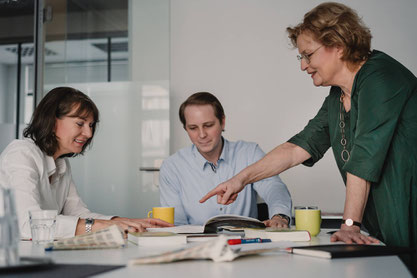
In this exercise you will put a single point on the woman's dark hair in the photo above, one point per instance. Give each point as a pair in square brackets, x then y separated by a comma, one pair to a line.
[202, 98]
[57, 103]
[334, 24]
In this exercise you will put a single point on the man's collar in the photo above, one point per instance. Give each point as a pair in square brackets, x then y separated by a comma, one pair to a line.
[202, 161]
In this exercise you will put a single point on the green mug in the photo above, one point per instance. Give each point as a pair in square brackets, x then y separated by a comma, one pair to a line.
[308, 219]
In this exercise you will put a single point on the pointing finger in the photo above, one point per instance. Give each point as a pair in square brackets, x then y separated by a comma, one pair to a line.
[213, 192]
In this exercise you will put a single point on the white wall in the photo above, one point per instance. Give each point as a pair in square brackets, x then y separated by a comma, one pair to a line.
[238, 50]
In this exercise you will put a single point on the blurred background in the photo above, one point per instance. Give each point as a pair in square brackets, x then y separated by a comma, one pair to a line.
[140, 59]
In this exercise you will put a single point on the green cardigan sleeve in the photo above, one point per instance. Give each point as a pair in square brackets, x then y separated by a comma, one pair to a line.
[314, 138]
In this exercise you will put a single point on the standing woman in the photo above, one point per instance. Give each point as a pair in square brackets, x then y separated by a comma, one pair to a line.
[369, 119]
[38, 169]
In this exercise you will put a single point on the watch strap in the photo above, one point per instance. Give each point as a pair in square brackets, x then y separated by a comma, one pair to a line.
[349, 222]
[283, 216]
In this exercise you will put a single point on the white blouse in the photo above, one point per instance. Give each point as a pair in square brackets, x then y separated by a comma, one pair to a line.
[26, 169]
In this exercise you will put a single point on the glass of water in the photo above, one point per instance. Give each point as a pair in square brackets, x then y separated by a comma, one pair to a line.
[42, 225]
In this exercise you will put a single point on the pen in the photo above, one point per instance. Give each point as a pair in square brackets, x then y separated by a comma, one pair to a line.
[247, 240]
[331, 232]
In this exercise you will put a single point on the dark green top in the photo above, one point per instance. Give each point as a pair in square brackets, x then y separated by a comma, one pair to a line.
[381, 131]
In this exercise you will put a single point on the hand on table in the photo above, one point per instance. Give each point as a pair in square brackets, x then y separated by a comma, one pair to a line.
[226, 192]
[131, 224]
[352, 235]
[276, 222]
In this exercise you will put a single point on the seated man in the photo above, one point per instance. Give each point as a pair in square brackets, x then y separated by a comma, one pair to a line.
[193, 171]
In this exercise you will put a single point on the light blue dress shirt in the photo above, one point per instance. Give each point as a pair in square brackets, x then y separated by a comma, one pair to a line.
[186, 176]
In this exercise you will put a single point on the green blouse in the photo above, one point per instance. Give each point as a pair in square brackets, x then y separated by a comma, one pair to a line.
[381, 131]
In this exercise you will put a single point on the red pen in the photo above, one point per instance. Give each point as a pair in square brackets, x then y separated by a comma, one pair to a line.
[247, 240]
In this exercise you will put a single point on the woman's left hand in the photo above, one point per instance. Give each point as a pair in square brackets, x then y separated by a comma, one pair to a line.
[352, 235]
[139, 225]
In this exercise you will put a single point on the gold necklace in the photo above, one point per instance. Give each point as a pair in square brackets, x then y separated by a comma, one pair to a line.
[345, 153]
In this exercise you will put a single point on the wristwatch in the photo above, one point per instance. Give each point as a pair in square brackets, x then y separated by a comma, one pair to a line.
[349, 222]
[89, 224]
[283, 216]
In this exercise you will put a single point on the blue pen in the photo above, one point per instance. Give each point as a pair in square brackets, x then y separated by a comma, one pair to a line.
[247, 240]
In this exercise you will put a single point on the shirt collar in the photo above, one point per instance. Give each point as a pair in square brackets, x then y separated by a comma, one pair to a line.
[55, 166]
[202, 162]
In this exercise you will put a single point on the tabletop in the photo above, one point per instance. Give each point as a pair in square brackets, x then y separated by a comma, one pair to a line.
[267, 264]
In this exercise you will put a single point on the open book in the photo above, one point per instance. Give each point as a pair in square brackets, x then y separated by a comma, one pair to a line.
[110, 237]
[219, 222]
[215, 224]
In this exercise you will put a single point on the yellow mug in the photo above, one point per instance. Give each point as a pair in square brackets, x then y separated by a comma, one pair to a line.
[163, 213]
[308, 219]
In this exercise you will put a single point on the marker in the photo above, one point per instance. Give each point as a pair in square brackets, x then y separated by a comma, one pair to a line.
[247, 240]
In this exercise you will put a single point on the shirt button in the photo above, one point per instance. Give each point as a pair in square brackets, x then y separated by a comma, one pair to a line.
[221, 209]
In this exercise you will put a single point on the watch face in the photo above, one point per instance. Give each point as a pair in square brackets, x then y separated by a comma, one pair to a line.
[89, 221]
[349, 222]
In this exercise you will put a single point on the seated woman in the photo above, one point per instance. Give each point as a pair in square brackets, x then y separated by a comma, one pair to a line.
[38, 169]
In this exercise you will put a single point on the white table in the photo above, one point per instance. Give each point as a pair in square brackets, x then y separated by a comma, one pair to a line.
[274, 264]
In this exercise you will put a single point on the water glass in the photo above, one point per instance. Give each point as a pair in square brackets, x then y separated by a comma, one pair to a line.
[42, 225]
[9, 229]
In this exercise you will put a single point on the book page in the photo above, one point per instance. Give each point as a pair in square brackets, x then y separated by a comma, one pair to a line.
[110, 237]
[229, 217]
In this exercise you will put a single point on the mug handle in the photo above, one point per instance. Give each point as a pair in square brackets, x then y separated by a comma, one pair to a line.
[149, 214]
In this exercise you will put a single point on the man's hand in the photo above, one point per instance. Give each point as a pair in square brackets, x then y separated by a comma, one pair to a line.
[351, 235]
[226, 192]
[277, 221]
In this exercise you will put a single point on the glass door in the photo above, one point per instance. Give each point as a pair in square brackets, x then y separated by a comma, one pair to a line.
[117, 52]
[16, 68]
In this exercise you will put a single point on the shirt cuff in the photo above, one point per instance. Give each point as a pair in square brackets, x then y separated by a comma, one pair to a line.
[65, 226]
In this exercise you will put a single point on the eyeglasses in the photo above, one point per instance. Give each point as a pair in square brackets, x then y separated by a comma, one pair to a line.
[307, 57]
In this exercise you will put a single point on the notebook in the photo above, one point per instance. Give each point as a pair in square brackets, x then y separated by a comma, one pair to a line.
[333, 251]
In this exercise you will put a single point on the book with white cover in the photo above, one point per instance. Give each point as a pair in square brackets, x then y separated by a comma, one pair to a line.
[157, 239]
[183, 229]
[278, 234]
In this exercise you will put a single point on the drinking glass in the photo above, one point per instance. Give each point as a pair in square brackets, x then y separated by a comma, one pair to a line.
[42, 225]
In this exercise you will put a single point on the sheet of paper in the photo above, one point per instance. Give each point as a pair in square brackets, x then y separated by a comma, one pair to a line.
[185, 229]
[217, 249]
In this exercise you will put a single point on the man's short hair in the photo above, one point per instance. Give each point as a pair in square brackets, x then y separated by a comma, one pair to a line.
[202, 98]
